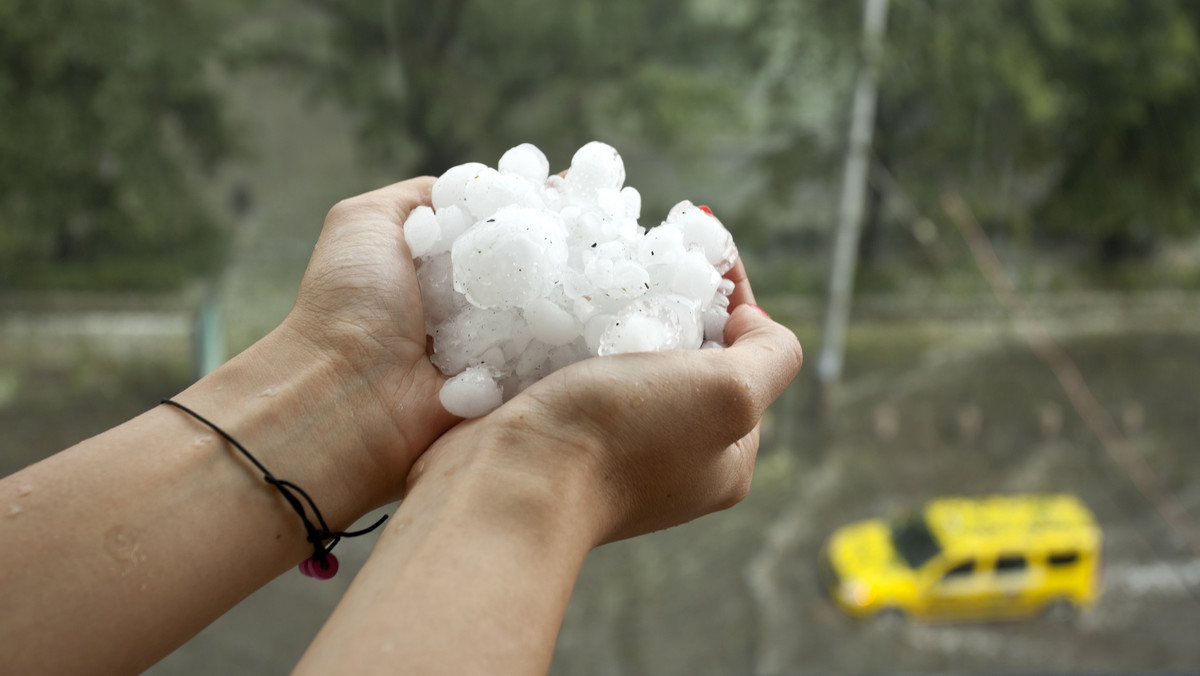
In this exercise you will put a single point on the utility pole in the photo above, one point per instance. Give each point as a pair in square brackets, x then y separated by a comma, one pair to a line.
[850, 207]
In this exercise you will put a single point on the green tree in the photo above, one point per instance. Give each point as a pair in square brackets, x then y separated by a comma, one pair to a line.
[435, 84]
[1077, 115]
[1128, 81]
[1073, 119]
[106, 111]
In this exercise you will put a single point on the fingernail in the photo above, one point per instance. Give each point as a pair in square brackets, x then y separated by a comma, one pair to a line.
[765, 313]
[705, 209]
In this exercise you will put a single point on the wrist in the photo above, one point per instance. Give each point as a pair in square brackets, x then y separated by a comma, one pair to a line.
[308, 420]
[517, 479]
[480, 534]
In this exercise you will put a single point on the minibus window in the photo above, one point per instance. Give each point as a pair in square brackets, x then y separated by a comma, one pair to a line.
[913, 540]
[962, 569]
[1063, 558]
[1010, 564]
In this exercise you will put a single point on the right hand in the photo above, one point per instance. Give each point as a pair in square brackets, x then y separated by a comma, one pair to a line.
[634, 443]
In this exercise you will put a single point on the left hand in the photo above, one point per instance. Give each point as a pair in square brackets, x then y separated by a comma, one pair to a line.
[359, 307]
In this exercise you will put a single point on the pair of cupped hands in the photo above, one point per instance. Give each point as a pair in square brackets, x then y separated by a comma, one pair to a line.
[628, 444]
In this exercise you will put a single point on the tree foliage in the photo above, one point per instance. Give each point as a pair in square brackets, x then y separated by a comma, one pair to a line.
[1073, 117]
[106, 108]
[1076, 115]
[434, 84]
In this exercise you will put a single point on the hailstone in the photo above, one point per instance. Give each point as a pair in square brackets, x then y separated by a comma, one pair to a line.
[523, 272]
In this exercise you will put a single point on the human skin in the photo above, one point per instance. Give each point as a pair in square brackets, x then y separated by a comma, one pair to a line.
[474, 573]
[122, 547]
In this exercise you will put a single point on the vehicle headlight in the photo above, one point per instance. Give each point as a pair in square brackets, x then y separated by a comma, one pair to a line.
[855, 592]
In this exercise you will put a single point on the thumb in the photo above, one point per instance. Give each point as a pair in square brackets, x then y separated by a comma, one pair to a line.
[763, 350]
[745, 318]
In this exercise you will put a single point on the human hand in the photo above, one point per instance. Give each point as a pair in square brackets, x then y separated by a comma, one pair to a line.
[359, 309]
[633, 443]
[339, 400]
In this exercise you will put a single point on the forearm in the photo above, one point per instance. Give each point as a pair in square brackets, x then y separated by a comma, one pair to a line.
[120, 548]
[472, 575]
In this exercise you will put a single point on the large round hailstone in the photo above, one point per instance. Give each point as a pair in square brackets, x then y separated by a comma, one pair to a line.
[510, 259]
[526, 161]
[523, 272]
[595, 167]
[422, 231]
[451, 187]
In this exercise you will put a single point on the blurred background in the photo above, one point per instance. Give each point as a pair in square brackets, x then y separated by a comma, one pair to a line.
[981, 218]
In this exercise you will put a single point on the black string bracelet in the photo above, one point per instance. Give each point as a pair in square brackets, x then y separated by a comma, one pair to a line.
[323, 564]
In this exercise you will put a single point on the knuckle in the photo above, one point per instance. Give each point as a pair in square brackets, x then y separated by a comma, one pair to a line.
[739, 488]
[737, 401]
[348, 210]
[340, 210]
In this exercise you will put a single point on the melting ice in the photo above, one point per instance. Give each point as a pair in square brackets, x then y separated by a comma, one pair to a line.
[523, 273]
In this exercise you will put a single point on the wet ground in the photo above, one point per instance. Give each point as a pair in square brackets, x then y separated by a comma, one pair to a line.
[736, 593]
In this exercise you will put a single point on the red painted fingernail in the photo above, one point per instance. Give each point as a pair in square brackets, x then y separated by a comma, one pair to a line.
[705, 209]
[765, 313]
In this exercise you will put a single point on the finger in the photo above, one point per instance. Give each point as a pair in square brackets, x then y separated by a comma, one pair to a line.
[742, 293]
[761, 351]
[391, 203]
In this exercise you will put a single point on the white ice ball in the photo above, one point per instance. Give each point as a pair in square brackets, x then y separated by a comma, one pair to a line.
[694, 276]
[702, 229]
[550, 323]
[488, 191]
[511, 258]
[450, 188]
[472, 393]
[452, 221]
[526, 161]
[468, 334]
[421, 231]
[523, 272]
[645, 325]
[595, 166]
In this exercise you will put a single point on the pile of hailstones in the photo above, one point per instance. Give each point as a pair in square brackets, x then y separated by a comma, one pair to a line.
[522, 273]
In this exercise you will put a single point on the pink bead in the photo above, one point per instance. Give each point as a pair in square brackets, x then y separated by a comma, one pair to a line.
[311, 567]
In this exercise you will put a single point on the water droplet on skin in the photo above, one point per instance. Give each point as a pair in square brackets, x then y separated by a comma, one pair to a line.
[14, 511]
[269, 392]
[24, 490]
[637, 398]
[123, 547]
[201, 440]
